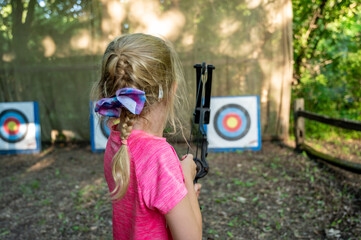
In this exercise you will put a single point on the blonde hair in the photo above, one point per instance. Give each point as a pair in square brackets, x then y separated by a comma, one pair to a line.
[147, 63]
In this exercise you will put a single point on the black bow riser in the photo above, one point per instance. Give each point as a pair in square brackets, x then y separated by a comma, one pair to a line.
[201, 69]
[202, 115]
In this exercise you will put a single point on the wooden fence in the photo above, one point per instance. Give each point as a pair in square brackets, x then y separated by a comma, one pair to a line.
[300, 134]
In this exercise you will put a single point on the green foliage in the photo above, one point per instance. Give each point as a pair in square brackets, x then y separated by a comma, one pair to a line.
[25, 24]
[328, 61]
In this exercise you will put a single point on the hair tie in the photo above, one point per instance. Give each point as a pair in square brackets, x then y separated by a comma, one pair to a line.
[124, 142]
[130, 98]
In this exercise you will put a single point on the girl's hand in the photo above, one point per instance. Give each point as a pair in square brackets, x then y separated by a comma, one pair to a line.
[197, 188]
[189, 167]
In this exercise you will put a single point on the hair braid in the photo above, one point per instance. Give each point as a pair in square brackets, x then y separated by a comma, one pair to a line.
[127, 125]
[121, 161]
[116, 72]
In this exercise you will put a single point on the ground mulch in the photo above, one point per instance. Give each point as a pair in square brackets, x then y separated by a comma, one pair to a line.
[275, 193]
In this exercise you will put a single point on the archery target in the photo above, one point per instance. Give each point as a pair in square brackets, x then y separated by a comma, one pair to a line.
[14, 126]
[234, 123]
[99, 131]
[19, 127]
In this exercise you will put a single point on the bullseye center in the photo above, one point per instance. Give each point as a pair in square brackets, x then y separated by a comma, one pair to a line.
[232, 122]
[12, 126]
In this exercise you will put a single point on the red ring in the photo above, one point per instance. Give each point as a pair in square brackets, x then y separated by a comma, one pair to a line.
[235, 128]
[11, 132]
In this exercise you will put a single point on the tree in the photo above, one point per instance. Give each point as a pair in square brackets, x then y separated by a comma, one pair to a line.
[327, 58]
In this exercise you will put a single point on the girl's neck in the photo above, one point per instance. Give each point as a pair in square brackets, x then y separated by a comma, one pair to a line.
[154, 121]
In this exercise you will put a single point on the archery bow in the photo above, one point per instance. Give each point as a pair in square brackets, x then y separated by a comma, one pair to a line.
[201, 116]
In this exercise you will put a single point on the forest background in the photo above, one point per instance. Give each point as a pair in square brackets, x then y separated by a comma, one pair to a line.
[326, 42]
[327, 62]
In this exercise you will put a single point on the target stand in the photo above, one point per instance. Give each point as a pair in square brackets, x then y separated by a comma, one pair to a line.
[19, 128]
[234, 124]
[99, 131]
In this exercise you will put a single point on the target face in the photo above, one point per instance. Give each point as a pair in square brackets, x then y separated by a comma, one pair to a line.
[14, 126]
[99, 131]
[234, 123]
[19, 127]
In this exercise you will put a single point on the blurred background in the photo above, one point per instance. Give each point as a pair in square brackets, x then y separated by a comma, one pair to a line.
[51, 51]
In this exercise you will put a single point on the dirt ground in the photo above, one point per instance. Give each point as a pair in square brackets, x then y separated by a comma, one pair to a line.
[274, 193]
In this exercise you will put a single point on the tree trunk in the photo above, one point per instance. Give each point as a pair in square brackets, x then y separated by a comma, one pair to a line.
[21, 30]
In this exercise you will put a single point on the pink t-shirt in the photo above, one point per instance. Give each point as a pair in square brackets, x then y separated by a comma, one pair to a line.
[156, 186]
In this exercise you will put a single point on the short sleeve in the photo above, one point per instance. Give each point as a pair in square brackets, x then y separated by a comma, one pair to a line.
[161, 180]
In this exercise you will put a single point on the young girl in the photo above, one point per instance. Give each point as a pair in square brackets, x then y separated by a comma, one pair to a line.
[152, 191]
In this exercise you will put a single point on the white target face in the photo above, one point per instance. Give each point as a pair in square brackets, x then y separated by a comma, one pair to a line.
[19, 127]
[234, 123]
[99, 131]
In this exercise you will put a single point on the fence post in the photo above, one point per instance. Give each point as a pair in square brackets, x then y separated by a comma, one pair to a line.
[298, 105]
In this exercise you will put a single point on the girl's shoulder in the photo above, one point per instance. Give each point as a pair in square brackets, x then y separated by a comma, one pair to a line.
[145, 140]
[148, 145]
[142, 135]
[157, 171]
[136, 137]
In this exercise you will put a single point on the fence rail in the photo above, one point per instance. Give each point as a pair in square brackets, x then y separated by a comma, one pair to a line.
[342, 123]
[300, 133]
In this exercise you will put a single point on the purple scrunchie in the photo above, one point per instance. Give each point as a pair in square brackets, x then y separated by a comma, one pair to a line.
[130, 98]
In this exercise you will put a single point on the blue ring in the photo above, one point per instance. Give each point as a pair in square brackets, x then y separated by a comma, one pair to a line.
[223, 114]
